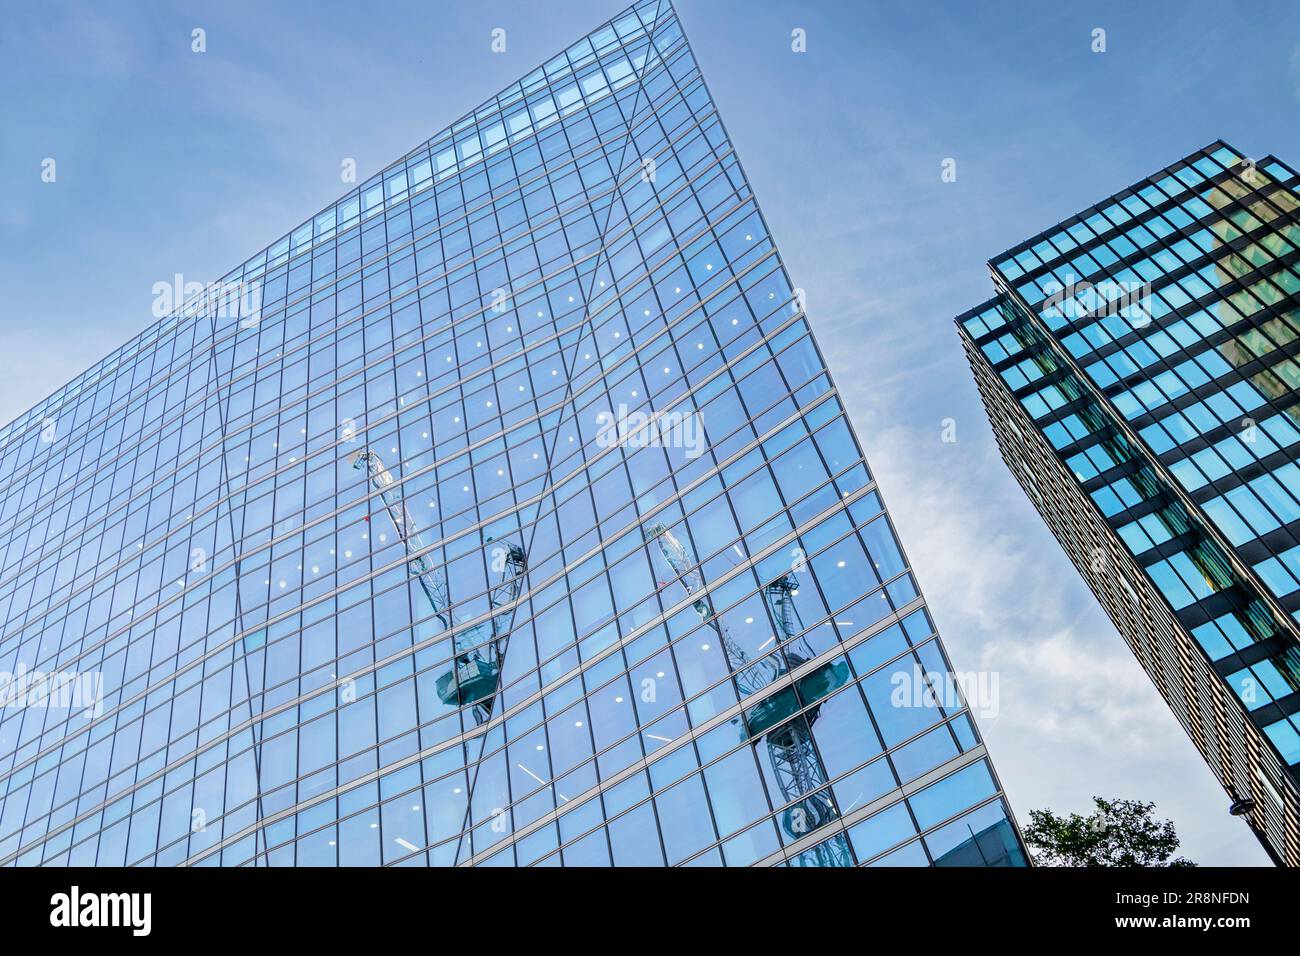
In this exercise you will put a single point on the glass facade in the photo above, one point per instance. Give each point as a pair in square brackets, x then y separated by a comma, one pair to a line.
[502, 513]
[1139, 366]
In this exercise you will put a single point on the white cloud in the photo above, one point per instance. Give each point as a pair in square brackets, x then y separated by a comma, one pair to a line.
[1077, 715]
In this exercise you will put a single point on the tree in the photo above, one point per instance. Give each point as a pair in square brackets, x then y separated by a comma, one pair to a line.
[1117, 833]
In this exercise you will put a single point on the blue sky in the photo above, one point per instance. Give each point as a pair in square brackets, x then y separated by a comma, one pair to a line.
[174, 162]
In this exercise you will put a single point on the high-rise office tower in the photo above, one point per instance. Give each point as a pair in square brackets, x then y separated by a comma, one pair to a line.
[501, 513]
[1139, 366]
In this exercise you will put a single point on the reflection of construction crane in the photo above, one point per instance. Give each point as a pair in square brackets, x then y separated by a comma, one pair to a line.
[382, 481]
[479, 651]
[683, 565]
[795, 762]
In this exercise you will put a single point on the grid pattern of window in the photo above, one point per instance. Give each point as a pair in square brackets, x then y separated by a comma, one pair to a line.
[502, 513]
[1146, 351]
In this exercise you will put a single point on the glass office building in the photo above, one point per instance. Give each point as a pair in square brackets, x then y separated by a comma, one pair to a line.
[1139, 365]
[502, 513]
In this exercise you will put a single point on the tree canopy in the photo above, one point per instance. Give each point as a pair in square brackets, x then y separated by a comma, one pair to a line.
[1117, 833]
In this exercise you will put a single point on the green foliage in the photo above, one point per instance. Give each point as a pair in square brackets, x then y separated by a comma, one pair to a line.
[1117, 833]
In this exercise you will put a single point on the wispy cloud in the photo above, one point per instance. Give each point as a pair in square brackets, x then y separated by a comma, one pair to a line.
[1077, 714]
